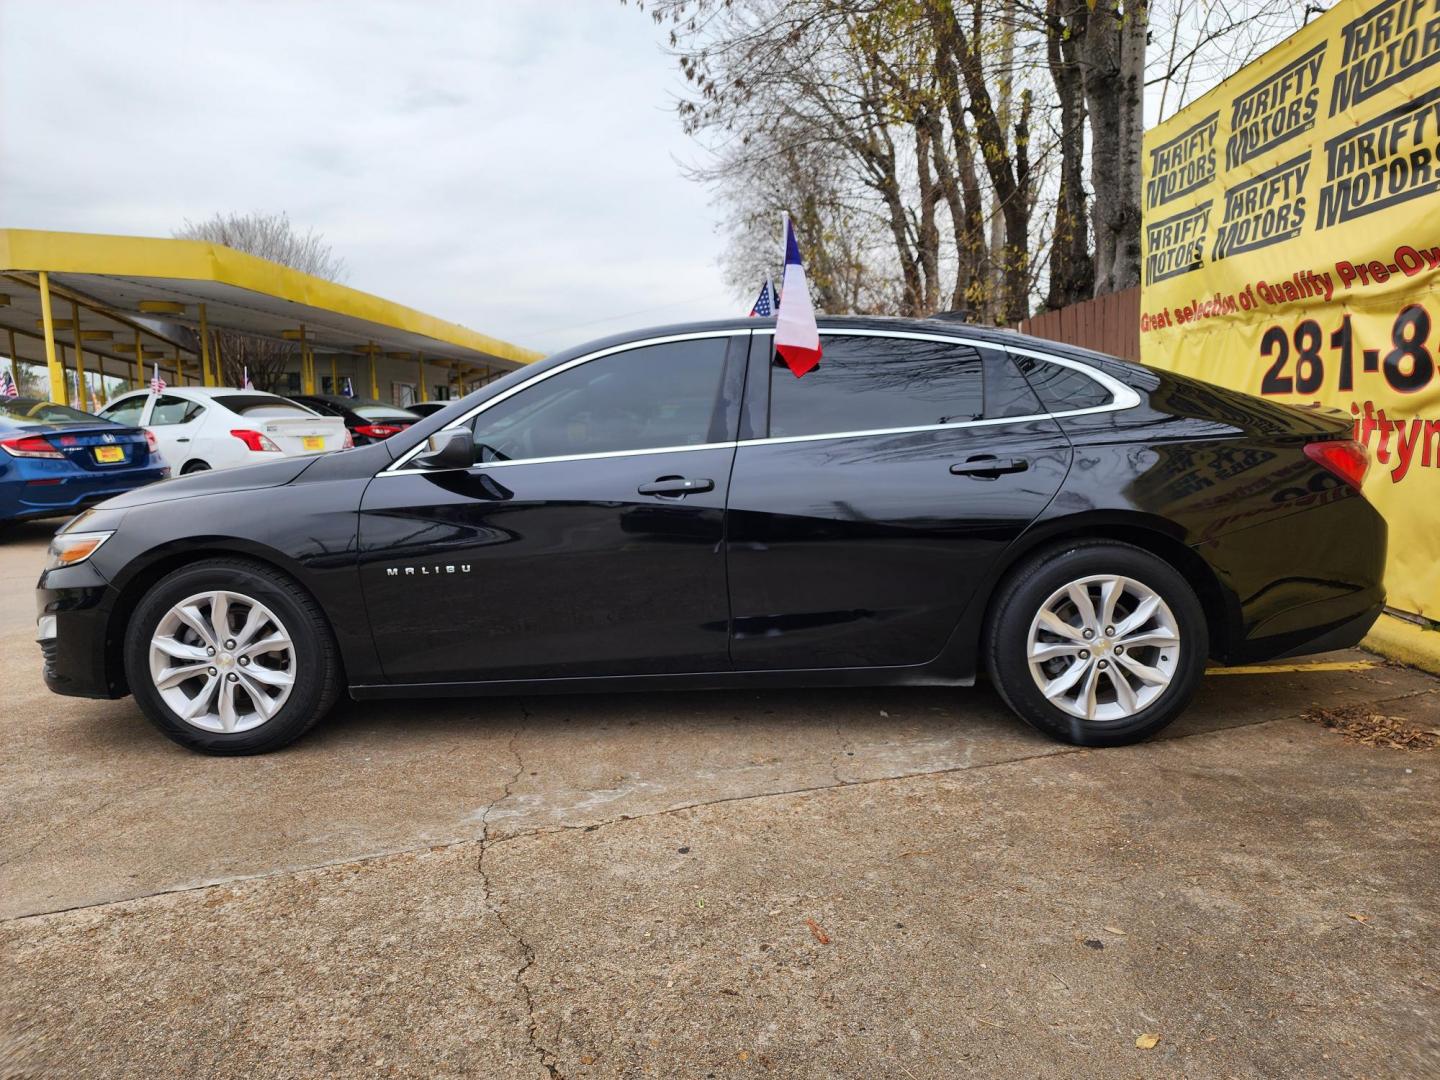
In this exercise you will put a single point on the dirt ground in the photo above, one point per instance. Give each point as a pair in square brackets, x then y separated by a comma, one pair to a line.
[858, 883]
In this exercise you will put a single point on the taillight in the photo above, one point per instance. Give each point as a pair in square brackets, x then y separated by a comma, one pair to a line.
[379, 431]
[349, 443]
[152, 442]
[254, 440]
[1346, 458]
[31, 446]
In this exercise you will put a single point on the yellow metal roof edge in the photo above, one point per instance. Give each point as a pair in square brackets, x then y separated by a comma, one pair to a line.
[199, 260]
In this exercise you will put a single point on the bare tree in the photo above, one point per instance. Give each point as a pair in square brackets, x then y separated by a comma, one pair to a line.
[272, 237]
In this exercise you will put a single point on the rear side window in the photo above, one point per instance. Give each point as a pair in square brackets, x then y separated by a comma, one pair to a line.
[261, 406]
[643, 398]
[874, 383]
[1007, 394]
[1062, 389]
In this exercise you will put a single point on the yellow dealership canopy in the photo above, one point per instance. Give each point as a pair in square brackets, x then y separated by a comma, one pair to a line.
[108, 294]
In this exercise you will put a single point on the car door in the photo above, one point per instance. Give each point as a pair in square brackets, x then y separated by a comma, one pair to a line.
[881, 489]
[176, 422]
[589, 539]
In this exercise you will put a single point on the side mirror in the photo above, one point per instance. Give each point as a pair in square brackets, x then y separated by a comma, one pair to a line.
[453, 449]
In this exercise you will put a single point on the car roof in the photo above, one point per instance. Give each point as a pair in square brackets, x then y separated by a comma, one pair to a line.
[205, 392]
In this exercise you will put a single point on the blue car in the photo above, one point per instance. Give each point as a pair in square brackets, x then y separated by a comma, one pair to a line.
[55, 460]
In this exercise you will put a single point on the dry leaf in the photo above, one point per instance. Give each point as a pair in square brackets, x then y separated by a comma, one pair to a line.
[1147, 1041]
[1115, 930]
[817, 932]
[743, 1055]
[1357, 916]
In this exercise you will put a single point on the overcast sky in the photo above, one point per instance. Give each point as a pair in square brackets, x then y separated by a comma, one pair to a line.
[513, 166]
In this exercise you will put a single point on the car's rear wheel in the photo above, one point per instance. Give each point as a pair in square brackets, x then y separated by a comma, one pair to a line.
[229, 657]
[1097, 643]
[194, 467]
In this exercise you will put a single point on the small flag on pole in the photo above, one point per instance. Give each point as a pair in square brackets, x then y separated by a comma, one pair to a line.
[7, 385]
[765, 305]
[797, 337]
[245, 383]
[157, 384]
[349, 389]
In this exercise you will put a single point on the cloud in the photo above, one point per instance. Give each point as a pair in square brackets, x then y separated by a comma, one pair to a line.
[508, 166]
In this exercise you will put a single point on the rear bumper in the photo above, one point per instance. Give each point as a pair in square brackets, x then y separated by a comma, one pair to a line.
[1307, 583]
[23, 498]
[79, 659]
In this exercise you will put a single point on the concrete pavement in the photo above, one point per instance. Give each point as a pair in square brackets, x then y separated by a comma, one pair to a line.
[850, 883]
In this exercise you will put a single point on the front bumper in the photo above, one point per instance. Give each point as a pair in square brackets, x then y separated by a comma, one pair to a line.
[80, 659]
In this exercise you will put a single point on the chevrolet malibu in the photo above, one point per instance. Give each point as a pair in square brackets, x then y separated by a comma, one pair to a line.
[674, 509]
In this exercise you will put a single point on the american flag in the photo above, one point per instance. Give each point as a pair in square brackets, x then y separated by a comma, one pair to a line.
[7, 385]
[157, 384]
[349, 390]
[245, 383]
[765, 304]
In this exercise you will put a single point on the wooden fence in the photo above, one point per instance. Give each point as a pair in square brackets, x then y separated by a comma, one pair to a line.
[1108, 324]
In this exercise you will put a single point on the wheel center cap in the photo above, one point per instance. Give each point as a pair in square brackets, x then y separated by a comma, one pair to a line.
[226, 660]
[1102, 646]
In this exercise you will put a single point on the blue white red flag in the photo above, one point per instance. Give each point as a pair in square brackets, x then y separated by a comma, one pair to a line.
[245, 383]
[7, 385]
[349, 389]
[765, 304]
[157, 384]
[797, 337]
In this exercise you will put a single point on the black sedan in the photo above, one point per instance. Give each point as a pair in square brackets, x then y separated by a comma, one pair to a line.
[674, 509]
[368, 421]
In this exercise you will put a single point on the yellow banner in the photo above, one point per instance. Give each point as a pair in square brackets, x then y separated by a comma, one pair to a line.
[1292, 249]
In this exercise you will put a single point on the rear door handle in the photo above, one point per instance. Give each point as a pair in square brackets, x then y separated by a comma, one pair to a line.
[675, 486]
[988, 466]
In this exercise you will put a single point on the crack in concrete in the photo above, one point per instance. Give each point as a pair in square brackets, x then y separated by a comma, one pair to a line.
[527, 952]
[1058, 751]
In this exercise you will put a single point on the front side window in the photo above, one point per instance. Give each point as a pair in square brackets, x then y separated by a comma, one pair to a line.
[644, 398]
[876, 383]
[125, 411]
[173, 410]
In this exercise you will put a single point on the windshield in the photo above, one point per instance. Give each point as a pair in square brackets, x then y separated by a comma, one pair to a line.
[262, 405]
[33, 411]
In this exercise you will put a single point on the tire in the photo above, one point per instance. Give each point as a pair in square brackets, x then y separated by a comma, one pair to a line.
[194, 467]
[1070, 664]
[301, 679]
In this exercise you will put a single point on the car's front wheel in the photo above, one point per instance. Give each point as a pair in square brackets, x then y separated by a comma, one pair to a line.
[228, 657]
[1097, 643]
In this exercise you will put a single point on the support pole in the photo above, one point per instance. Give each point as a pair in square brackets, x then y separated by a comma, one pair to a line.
[374, 376]
[334, 375]
[205, 370]
[139, 363]
[84, 403]
[307, 377]
[420, 357]
[52, 362]
[14, 370]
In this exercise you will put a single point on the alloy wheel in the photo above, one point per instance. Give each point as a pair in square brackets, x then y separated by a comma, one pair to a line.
[222, 661]
[1103, 647]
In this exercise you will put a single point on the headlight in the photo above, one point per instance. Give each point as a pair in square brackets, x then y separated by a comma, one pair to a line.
[71, 548]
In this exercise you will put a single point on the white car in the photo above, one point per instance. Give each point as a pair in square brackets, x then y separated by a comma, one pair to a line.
[200, 428]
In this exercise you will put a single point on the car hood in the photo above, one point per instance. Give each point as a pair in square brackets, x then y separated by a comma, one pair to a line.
[245, 478]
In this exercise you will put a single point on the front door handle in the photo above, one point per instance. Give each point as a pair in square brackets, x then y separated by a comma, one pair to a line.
[988, 466]
[676, 486]
[182, 438]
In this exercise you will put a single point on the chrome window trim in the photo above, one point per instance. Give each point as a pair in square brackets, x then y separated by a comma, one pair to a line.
[1122, 397]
